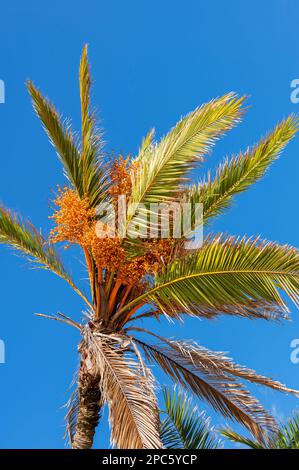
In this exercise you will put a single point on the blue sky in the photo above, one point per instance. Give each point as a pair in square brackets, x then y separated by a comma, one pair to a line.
[152, 61]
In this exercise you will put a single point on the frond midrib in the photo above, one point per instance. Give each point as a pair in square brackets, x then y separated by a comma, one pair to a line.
[203, 274]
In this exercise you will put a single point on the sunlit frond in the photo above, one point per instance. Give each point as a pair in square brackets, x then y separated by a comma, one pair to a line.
[158, 171]
[93, 172]
[23, 237]
[237, 174]
[228, 272]
[84, 169]
[183, 426]
[61, 137]
[146, 144]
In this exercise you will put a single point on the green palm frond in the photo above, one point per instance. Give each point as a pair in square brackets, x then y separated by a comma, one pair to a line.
[225, 275]
[184, 427]
[287, 436]
[87, 121]
[162, 167]
[146, 145]
[238, 173]
[93, 174]
[61, 137]
[220, 390]
[23, 237]
[239, 439]
[84, 169]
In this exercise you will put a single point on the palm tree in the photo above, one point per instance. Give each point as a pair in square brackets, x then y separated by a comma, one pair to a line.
[183, 426]
[287, 436]
[132, 278]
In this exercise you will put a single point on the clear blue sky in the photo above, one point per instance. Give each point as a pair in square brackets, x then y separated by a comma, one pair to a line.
[152, 61]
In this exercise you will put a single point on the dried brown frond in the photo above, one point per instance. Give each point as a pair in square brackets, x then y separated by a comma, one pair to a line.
[128, 390]
[220, 364]
[220, 390]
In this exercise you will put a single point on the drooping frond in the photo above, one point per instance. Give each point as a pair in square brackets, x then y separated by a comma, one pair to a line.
[61, 137]
[158, 171]
[238, 173]
[220, 364]
[184, 427]
[128, 390]
[227, 272]
[23, 237]
[226, 395]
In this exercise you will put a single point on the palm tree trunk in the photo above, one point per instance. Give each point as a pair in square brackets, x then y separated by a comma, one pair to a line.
[89, 406]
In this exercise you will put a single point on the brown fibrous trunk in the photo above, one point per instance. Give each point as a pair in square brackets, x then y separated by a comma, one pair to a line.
[89, 406]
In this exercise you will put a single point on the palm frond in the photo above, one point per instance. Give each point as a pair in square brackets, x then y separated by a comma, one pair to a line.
[23, 237]
[87, 121]
[146, 144]
[218, 362]
[160, 169]
[227, 272]
[184, 427]
[83, 170]
[93, 174]
[133, 411]
[287, 436]
[237, 174]
[226, 395]
[239, 439]
[61, 137]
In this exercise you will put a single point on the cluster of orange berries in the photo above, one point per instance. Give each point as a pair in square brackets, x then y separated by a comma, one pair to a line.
[107, 252]
[157, 253]
[120, 178]
[73, 219]
[75, 223]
